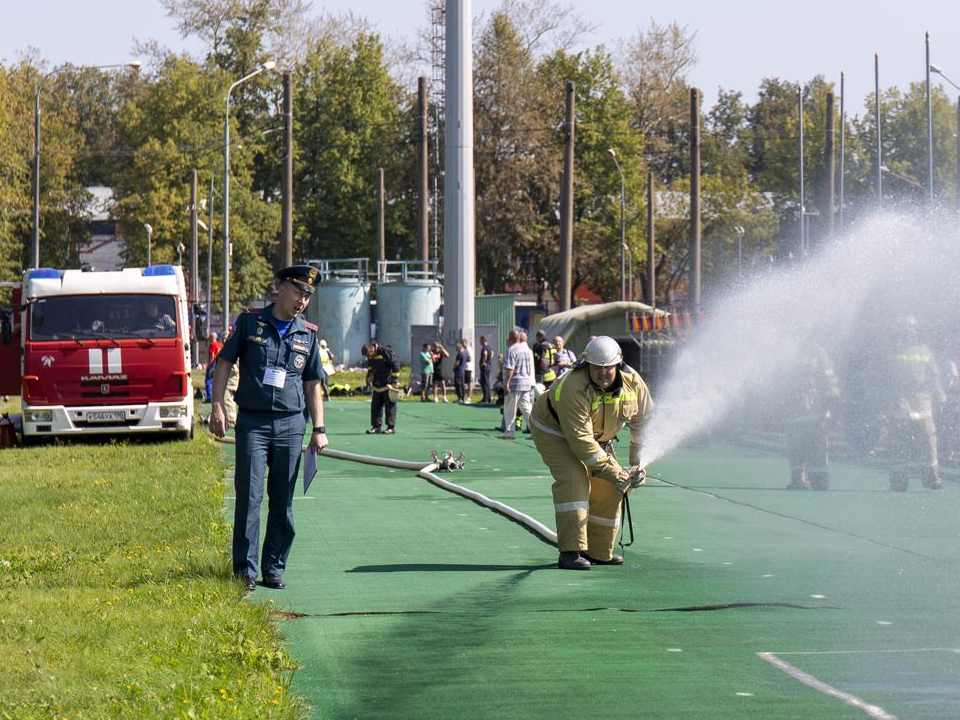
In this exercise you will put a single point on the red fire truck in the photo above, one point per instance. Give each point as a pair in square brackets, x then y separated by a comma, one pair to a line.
[103, 352]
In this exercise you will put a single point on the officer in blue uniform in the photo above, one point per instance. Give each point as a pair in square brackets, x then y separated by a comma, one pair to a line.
[280, 373]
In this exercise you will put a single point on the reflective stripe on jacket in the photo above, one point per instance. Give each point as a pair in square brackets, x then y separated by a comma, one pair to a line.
[589, 417]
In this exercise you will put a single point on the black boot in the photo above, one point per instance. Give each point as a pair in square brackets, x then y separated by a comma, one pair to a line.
[798, 480]
[614, 560]
[931, 479]
[572, 561]
[819, 480]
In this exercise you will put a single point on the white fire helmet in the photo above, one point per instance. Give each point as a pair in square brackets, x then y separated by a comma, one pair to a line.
[603, 351]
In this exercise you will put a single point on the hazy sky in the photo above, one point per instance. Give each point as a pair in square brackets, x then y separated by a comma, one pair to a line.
[738, 41]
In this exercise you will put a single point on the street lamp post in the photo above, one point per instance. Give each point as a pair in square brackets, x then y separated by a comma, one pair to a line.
[803, 209]
[269, 65]
[208, 204]
[36, 146]
[876, 110]
[623, 226]
[938, 71]
[149, 228]
[929, 127]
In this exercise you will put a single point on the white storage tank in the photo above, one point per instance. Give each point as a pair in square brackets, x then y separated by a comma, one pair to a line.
[341, 307]
[408, 293]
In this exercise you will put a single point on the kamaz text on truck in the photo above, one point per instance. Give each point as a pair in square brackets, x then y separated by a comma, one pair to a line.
[105, 352]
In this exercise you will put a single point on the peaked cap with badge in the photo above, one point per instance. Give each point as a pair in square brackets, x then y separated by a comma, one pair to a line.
[303, 276]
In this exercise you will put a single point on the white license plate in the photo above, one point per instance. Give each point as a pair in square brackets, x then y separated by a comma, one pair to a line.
[106, 416]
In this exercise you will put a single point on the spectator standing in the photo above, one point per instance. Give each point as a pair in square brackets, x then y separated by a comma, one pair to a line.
[467, 371]
[214, 346]
[426, 371]
[459, 363]
[563, 359]
[486, 365]
[517, 382]
[327, 360]
[439, 353]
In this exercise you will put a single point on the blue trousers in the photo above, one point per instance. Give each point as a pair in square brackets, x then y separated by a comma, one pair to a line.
[265, 441]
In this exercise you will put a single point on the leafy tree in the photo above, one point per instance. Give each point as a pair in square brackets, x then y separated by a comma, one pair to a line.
[655, 65]
[16, 113]
[774, 143]
[175, 126]
[904, 138]
[349, 122]
[516, 168]
[603, 124]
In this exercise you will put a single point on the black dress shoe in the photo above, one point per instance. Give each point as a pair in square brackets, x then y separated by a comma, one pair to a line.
[249, 583]
[274, 581]
[614, 560]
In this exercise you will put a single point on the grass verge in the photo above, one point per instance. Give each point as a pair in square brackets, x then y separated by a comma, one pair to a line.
[116, 595]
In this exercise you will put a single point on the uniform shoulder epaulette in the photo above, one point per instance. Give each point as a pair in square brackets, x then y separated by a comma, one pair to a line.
[251, 311]
[310, 326]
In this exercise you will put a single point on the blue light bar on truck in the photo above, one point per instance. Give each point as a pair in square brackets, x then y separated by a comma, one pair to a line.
[154, 270]
[44, 274]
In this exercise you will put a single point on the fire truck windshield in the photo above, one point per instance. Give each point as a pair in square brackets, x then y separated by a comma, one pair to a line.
[107, 317]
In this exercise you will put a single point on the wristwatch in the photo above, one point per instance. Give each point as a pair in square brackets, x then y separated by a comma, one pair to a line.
[320, 429]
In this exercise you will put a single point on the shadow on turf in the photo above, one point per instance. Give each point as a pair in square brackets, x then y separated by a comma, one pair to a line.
[445, 567]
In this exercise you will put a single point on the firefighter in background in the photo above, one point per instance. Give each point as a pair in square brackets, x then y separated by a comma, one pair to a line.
[815, 396]
[382, 379]
[573, 426]
[914, 392]
[543, 360]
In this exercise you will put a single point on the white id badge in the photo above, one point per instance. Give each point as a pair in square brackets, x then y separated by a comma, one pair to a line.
[274, 377]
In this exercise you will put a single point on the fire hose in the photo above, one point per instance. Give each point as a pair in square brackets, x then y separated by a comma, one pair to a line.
[428, 472]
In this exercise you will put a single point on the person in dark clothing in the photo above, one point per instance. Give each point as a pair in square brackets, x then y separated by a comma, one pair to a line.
[486, 365]
[382, 379]
[276, 352]
[459, 372]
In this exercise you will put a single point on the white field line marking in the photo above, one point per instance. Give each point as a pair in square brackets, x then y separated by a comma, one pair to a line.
[874, 711]
[869, 652]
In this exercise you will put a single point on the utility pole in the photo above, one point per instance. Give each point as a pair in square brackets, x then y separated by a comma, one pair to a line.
[210, 254]
[194, 293]
[381, 225]
[194, 272]
[929, 126]
[843, 133]
[957, 136]
[695, 199]
[829, 190]
[286, 232]
[803, 200]
[566, 201]
[876, 110]
[423, 171]
[651, 246]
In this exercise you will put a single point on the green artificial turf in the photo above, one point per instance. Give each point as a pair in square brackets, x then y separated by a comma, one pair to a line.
[405, 601]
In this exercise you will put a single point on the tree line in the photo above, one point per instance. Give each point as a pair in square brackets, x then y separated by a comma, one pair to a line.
[355, 110]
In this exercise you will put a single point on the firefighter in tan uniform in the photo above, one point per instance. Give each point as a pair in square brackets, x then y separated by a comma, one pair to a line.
[573, 426]
[914, 394]
[815, 396]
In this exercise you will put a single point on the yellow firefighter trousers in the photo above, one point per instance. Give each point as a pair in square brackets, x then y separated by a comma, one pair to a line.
[587, 509]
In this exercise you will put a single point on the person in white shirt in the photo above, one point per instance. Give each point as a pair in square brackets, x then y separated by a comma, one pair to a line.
[517, 382]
